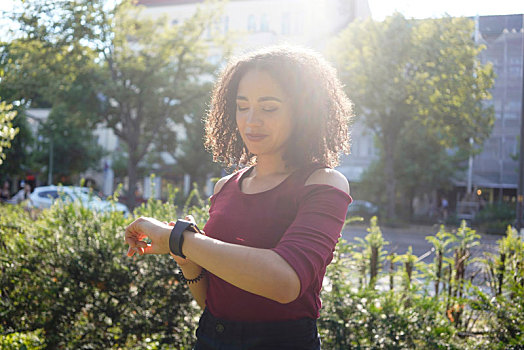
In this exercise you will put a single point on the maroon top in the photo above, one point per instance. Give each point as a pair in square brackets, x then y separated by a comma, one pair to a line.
[300, 223]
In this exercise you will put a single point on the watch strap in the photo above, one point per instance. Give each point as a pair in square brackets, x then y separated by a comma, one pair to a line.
[176, 238]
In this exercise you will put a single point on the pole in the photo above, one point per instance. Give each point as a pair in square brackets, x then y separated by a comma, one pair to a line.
[50, 170]
[470, 170]
[520, 189]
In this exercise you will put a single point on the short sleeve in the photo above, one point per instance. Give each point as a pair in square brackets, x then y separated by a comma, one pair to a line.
[309, 242]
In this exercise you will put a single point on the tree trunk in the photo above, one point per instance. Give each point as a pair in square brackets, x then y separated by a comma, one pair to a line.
[411, 207]
[389, 175]
[132, 164]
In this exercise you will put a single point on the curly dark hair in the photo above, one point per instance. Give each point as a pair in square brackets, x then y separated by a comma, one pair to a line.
[321, 109]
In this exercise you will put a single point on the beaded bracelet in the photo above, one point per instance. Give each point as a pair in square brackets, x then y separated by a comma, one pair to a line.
[193, 280]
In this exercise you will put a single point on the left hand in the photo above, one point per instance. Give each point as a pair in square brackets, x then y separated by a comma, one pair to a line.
[151, 228]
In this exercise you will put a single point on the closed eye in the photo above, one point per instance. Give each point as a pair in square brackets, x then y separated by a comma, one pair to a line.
[242, 109]
[269, 109]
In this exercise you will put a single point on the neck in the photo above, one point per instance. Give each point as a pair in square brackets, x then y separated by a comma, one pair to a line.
[270, 166]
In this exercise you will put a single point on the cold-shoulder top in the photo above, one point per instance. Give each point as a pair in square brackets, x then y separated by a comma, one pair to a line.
[300, 223]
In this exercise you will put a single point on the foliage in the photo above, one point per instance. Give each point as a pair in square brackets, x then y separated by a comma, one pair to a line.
[503, 303]
[495, 218]
[46, 68]
[7, 132]
[72, 145]
[19, 158]
[416, 82]
[65, 282]
[416, 305]
[154, 77]
[368, 317]
[105, 62]
[66, 277]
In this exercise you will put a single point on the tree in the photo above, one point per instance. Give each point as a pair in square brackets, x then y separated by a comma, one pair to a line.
[151, 77]
[45, 70]
[416, 80]
[141, 77]
[7, 132]
[19, 158]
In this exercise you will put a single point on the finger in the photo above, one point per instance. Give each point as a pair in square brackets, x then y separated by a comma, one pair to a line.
[190, 218]
[141, 244]
[131, 252]
[151, 249]
[131, 241]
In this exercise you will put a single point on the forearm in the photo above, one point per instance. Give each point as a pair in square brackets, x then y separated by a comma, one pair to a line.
[259, 271]
[198, 289]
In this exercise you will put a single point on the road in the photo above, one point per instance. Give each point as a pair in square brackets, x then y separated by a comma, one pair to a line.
[415, 236]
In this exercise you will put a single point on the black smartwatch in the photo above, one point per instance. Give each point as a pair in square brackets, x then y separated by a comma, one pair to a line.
[176, 239]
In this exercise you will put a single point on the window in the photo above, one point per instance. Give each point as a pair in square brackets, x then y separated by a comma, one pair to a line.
[48, 194]
[355, 147]
[514, 72]
[299, 28]
[264, 25]
[251, 24]
[510, 147]
[226, 24]
[285, 23]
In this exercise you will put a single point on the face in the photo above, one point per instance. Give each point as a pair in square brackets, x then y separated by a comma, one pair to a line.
[263, 115]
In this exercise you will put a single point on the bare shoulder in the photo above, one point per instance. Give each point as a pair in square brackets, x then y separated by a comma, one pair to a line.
[220, 183]
[330, 177]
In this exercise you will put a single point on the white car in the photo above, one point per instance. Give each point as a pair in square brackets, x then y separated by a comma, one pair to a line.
[45, 196]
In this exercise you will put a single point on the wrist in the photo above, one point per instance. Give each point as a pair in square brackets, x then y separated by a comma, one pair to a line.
[190, 269]
[177, 236]
[188, 235]
[190, 279]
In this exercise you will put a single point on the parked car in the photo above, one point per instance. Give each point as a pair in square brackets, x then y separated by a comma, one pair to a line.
[44, 196]
[362, 208]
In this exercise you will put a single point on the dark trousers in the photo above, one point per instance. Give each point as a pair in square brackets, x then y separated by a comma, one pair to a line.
[216, 334]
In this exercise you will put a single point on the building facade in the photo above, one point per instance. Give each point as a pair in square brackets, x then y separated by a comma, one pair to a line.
[265, 22]
[258, 23]
[495, 170]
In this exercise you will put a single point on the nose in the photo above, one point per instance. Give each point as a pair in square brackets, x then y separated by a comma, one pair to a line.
[253, 118]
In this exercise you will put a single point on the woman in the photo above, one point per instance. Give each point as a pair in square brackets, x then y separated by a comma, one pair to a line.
[274, 224]
[5, 193]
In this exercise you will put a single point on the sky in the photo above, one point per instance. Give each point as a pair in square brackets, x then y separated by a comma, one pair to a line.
[437, 8]
[409, 8]
[423, 8]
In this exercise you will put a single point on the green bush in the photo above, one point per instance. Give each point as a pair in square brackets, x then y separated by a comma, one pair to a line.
[66, 282]
[360, 315]
[494, 218]
[66, 275]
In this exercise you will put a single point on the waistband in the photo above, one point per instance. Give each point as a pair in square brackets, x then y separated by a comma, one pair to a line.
[214, 326]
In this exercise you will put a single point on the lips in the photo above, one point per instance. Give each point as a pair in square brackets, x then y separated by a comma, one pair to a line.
[255, 137]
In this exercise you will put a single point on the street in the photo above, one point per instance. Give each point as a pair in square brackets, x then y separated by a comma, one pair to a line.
[415, 236]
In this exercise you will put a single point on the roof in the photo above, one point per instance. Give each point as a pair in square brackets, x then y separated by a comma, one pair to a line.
[480, 181]
[166, 2]
[151, 3]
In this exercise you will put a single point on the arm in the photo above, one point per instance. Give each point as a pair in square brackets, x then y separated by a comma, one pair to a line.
[191, 270]
[260, 271]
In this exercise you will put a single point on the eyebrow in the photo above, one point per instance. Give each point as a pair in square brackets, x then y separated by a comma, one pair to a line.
[261, 99]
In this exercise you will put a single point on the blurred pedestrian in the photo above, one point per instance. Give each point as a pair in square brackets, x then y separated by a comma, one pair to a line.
[258, 265]
[444, 207]
[5, 193]
[23, 196]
